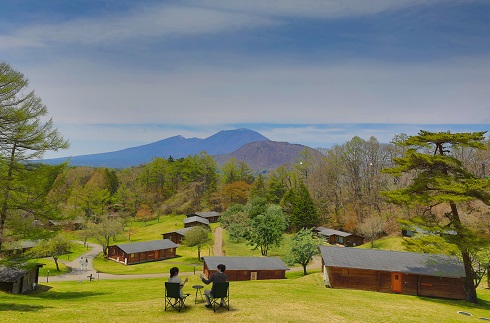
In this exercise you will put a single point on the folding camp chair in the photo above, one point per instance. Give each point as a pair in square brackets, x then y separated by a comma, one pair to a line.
[172, 296]
[220, 296]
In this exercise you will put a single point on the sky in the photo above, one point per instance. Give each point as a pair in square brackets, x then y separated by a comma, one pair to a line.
[120, 73]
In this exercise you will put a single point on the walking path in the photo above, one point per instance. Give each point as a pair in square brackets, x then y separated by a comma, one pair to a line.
[84, 274]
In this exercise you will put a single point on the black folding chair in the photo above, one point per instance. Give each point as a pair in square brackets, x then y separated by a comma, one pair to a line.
[220, 297]
[172, 296]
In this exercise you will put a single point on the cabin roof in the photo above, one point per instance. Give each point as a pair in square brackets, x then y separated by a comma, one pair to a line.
[10, 274]
[209, 214]
[331, 232]
[196, 219]
[392, 261]
[147, 246]
[246, 263]
[182, 231]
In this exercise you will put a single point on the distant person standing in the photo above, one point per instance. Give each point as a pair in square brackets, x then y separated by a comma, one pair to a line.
[217, 277]
[81, 263]
[86, 263]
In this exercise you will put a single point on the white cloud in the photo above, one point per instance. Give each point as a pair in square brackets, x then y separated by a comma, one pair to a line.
[158, 21]
[313, 8]
[351, 92]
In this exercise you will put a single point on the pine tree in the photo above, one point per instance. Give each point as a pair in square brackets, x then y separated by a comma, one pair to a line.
[441, 180]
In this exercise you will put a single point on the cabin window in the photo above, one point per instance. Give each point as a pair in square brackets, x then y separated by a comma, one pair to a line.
[133, 255]
[340, 239]
[253, 275]
[345, 272]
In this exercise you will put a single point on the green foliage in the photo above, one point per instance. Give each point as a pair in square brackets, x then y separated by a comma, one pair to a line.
[25, 134]
[267, 229]
[303, 210]
[433, 244]
[258, 187]
[54, 247]
[255, 206]
[198, 237]
[440, 178]
[235, 171]
[304, 246]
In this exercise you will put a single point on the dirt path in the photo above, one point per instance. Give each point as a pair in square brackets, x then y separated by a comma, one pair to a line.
[218, 242]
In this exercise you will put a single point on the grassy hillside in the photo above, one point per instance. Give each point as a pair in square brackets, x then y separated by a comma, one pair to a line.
[302, 299]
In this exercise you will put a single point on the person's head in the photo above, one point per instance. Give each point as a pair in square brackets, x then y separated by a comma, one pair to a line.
[221, 267]
[174, 271]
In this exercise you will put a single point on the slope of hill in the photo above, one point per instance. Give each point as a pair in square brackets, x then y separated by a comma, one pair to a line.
[266, 155]
[220, 143]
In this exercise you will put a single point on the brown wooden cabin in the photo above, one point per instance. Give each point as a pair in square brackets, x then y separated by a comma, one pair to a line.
[176, 236]
[211, 216]
[339, 237]
[138, 252]
[247, 268]
[393, 272]
[19, 279]
[195, 220]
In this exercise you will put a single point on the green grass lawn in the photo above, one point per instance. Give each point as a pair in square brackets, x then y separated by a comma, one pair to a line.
[386, 243]
[301, 299]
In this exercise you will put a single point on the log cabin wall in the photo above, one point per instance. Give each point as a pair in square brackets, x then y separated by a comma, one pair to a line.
[412, 284]
[441, 287]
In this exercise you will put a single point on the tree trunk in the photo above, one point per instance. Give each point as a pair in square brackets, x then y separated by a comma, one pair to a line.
[304, 270]
[198, 253]
[469, 283]
[56, 262]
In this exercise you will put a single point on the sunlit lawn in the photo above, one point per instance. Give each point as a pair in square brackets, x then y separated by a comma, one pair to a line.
[386, 243]
[186, 260]
[302, 299]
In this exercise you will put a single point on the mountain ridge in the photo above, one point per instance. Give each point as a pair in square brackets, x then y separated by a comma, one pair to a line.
[251, 147]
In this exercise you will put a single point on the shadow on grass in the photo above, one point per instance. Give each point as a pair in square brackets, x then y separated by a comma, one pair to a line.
[21, 307]
[41, 290]
[461, 304]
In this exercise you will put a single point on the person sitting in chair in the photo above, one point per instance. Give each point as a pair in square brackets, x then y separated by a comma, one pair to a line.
[217, 277]
[174, 278]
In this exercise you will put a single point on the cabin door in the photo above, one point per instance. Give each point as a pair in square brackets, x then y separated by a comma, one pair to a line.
[396, 282]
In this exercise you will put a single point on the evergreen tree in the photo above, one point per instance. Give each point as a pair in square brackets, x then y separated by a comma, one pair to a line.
[441, 181]
[303, 210]
[24, 136]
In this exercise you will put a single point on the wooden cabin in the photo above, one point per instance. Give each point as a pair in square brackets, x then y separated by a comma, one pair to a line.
[393, 272]
[176, 236]
[339, 237]
[138, 252]
[247, 268]
[19, 279]
[195, 220]
[211, 216]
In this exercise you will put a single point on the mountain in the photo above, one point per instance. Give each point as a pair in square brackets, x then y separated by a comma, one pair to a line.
[223, 142]
[266, 155]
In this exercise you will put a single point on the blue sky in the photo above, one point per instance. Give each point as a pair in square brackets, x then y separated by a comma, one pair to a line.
[116, 73]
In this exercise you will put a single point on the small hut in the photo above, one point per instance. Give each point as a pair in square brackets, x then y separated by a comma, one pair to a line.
[247, 268]
[211, 216]
[393, 272]
[339, 237]
[194, 221]
[176, 236]
[133, 253]
[19, 279]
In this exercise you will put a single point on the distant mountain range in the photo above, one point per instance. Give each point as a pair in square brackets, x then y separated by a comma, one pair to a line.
[245, 145]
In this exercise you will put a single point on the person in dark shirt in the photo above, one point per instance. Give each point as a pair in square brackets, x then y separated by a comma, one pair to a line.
[217, 277]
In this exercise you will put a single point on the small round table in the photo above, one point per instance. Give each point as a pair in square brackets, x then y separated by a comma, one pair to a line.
[198, 289]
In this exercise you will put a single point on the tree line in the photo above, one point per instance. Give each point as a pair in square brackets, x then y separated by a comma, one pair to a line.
[435, 181]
